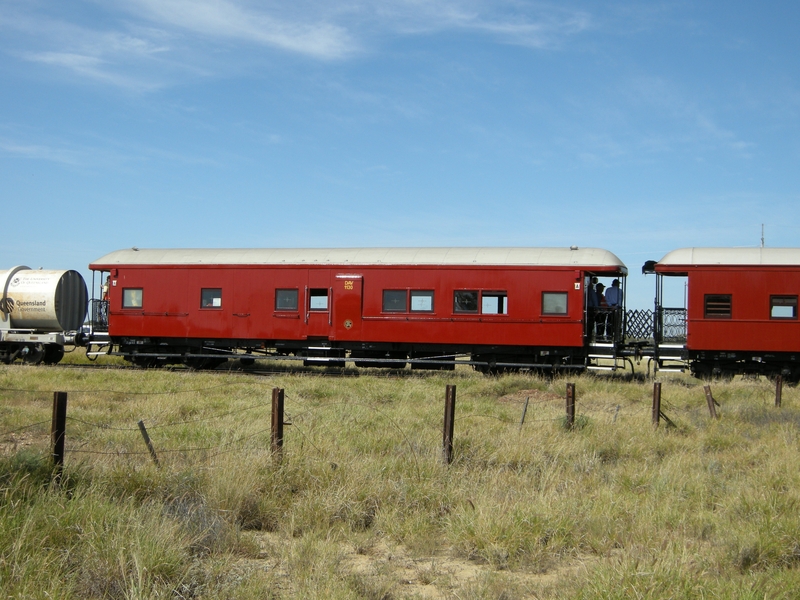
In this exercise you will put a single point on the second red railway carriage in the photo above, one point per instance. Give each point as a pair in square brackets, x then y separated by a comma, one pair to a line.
[741, 311]
[498, 307]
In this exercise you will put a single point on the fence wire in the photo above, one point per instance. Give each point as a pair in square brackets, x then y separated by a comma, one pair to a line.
[552, 404]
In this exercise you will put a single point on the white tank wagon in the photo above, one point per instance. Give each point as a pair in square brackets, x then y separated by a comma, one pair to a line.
[40, 313]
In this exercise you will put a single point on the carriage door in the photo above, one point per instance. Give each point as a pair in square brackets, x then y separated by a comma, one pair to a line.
[244, 302]
[347, 306]
[318, 304]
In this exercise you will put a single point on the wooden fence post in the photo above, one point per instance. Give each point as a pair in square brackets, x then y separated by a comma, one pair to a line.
[712, 404]
[570, 405]
[656, 403]
[277, 423]
[524, 412]
[148, 443]
[449, 423]
[778, 391]
[58, 432]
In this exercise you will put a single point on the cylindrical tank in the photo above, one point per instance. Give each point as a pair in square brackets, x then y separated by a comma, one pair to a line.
[42, 300]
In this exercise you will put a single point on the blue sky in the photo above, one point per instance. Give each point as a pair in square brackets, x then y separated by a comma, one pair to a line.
[634, 126]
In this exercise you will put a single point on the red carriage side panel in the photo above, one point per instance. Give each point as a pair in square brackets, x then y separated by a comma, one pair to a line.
[419, 305]
[211, 299]
[398, 298]
[144, 300]
[741, 308]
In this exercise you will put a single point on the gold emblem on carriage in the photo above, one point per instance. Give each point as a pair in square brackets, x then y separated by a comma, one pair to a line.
[348, 285]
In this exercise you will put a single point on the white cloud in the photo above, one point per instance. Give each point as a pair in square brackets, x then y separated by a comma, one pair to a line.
[232, 20]
[332, 30]
[113, 57]
[91, 67]
[145, 44]
[38, 152]
[93, 153]
[519, 23]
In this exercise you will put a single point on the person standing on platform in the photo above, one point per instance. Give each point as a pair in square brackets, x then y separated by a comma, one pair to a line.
[600, 319]
[591, 305]
[614, 301]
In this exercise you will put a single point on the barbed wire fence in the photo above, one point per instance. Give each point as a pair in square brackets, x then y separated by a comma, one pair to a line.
[574, 411]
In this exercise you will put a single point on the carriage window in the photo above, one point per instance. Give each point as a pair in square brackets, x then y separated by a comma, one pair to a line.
[318, 299]
[465, 302]
[554, 303]
[132, 298]
[421, 301]
[494, 303]
[783, 307]
[394, 300]
[286, 300]
[211, 298]
[718, 306]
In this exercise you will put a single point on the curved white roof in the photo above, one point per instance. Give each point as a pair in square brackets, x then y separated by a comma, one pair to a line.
[731, 256]
[562, 257]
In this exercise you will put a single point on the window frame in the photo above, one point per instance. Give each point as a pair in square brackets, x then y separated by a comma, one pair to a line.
[314, 293]
[466, 311]
[421, 294]
[212, 293]
[717, 312]
[390, 307]
[409, 296]
[777, 300]
[279, 292]
[502, 306]
[551, 313]
[125, 293]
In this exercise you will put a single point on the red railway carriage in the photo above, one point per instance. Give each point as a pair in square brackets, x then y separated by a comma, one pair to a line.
[377, 306]
[741, 310]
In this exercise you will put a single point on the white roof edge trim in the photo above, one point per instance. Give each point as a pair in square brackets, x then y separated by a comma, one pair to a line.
[346, 257]
[731, 256]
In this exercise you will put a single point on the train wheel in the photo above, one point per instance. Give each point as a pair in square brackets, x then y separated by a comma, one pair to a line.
[701, 371]
[195, 364]
[32, 355]
[144, 362]
[791, 378]
[723, 374]
[486, 364]
[213, 363]
[53, 353]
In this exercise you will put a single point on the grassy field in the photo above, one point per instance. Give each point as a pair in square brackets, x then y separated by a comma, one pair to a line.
[362, 506]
